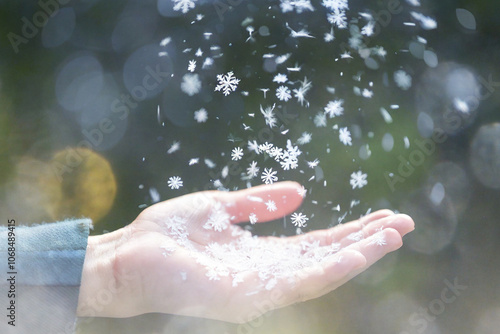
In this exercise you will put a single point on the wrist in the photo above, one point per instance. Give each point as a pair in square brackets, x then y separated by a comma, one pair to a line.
[99, 290]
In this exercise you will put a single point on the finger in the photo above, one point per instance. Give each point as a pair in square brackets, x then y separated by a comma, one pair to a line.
[336, 234]
[377, 245]
[371, 250]
[322, 278]
[265, 202]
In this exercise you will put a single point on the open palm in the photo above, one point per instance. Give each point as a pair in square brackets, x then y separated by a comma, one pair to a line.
[187, 256]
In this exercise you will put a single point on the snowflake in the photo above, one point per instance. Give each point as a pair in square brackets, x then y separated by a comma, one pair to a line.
[283, 93]
[227, 83]
[184, 5]
[237, 153]
[269, 176]
[269, 115]
[426, 22]
[329, 36]
[275, 152]
[191, 84]
[201, 115]
[194, 161]
[252, 218]
[176, 145]
[461, 105]
[320, 120]
[380, 51]
[174, 182]
[199, 53]
[253, 170]
[155, 195]
[367, 30]
[337, 18]
[356, 236]
[299, 219]
[293, 150]
[313, 163]
[253, 146]
[289, 161]
[355, 42]
[280, 78]
[207, 63]
[358, 180]
[345, 136]
[402, 79]
[302, 191]
[298, 5]
[304, 138]
[346, 55]
[378, 239]
[300, 93]
[415, 3]
[334, 108]
[192, 65]
[266, 147]
[271, 205]
[335, 4]
[367, 93]
[209, 163]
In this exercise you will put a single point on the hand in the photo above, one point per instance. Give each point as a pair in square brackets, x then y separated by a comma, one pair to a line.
[186, 256]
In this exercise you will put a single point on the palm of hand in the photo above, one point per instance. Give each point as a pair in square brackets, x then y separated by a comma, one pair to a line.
[188, 257]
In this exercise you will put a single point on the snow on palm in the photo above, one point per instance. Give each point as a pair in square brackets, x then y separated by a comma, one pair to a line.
[227, 83]
[219, 219]
[271, 205]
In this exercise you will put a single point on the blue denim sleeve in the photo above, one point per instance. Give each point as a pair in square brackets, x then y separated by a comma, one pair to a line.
[41, 288]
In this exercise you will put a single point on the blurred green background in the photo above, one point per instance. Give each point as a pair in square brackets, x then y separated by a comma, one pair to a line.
[60, 80]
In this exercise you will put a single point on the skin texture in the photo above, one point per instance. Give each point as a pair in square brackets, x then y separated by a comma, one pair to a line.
[126, 272]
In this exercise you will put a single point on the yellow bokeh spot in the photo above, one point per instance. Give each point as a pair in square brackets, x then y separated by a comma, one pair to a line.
[87, 184]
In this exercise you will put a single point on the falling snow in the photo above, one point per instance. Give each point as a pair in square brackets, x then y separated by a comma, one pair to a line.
[227, 83]
[174, 182]
[358, 180]
[191, 84]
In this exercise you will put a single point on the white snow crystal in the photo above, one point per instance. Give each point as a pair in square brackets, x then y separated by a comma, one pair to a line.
[191, 84]
[402, 79]
[184, 5]
[345, 136]
[174, 182]
[227, 83]
[358, 180]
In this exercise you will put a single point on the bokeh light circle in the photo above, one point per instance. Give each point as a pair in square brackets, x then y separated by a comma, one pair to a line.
[145, 73]
[80, 79]
[87, 183]
[485, 155]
